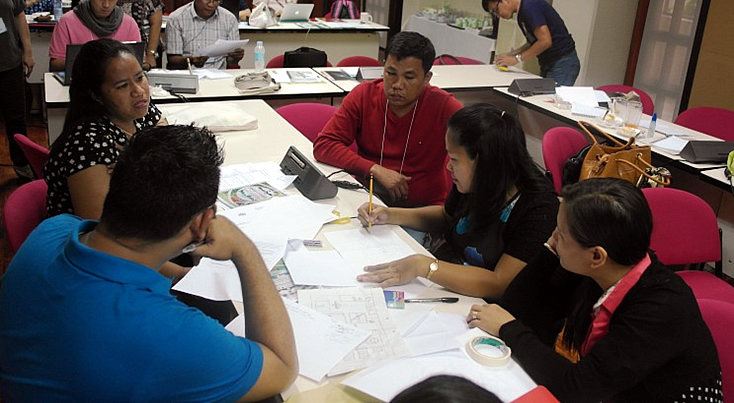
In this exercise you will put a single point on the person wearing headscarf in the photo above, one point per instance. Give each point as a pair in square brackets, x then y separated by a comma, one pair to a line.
[90, 20]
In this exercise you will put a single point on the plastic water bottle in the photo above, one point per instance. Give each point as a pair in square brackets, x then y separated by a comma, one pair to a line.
[58, 10]
[259, 57]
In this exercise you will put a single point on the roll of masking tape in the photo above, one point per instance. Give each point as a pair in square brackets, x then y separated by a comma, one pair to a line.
[489, 350]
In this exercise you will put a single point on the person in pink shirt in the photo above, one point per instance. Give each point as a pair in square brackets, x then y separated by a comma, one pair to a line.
[90, 20]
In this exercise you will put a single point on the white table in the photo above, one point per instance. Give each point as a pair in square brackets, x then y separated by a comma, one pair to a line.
[452, 41]
[352, 39]
[269, 143]
[57, 96]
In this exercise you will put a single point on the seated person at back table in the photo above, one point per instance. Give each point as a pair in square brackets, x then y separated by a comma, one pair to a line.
[90, 20]
[633, 330]
[398, 123]
[85, 315]
[498, 215]
[196, 25]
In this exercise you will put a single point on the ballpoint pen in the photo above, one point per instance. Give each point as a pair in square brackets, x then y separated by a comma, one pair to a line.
[448, 300]
[369, 208]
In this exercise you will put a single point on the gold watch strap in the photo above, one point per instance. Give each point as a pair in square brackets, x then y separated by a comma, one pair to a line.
[431, 272]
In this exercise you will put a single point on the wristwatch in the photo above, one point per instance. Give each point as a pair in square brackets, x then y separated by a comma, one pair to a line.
[153, 53]
[432, 269]
[518, 57]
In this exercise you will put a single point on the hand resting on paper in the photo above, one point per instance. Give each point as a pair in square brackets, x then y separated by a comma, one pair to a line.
[397, 272]
[490, 318]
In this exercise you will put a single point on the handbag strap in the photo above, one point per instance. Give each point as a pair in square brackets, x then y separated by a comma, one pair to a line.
[664, 182]
[585, 126]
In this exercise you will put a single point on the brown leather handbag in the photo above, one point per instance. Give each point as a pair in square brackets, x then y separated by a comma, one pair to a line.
[626, 161]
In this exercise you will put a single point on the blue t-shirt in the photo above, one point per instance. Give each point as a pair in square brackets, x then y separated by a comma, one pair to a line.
[77, 324]
[536, 13]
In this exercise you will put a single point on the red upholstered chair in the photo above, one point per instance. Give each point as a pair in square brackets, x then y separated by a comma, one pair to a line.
[707, 286]
[359, 61]
[23, 211]
[308, 118]
[648, 106]
[719, 317]
[685, 230]
[559, 143]
[276, 62]
[34, 153]
[716, 122]
[454, 60]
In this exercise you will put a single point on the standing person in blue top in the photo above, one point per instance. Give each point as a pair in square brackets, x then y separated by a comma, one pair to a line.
[85, 315]
[547, 38]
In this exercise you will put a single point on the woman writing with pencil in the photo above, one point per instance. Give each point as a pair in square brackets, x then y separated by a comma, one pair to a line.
[498, 215]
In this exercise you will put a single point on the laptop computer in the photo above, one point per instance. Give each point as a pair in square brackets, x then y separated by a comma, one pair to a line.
[72, 51]
[296, 12]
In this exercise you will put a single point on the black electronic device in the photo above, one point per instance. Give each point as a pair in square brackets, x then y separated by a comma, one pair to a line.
[310, 181]
[707, 151]
[369, 73]
[532, 86]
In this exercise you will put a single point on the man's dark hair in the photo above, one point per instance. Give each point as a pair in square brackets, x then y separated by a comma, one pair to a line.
[412, 44]
[446, 389]
[164, 177]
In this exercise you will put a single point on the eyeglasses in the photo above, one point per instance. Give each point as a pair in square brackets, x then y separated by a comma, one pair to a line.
[493, 11]
[212, 1]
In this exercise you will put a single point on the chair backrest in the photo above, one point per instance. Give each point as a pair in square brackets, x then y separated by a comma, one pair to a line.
[559, 143]
[715, 122]
[34, 153]
[719, 317]
[276, 62]
[23, 211]
[308, 118]
[707, 286]
[454, 60]
[359, 61]
[684, 229]
[648, 106]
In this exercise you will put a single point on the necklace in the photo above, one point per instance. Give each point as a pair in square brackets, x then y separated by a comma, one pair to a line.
[384, 131]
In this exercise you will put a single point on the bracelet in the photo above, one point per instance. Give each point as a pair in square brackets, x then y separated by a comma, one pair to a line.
[489, 350]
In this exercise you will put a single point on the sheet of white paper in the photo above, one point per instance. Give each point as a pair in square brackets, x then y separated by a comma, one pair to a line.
[601, 96]
[321, 341]
[384, 381]
[223, 46]
[322, 267]
[352, 71]
[289, 217]
[364, 308]
[412, 289]
[409, 318]
[280, 75]
[671, 144]
[212, 279]
[438, 332]
[361, 248]
[237, 326]
[578, 95]
[671, 129]
[588, 111]
[334, 24]
[238, 175]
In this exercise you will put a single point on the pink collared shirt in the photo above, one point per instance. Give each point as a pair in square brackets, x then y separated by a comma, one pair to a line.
[608, 303]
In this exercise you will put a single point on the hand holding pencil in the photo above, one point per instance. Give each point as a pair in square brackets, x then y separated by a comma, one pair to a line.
[379, 215]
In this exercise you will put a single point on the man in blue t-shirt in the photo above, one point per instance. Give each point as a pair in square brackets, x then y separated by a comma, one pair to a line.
[85, 315]
[546, 35]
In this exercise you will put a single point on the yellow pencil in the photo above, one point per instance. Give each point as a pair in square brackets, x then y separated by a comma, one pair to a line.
[369, 209]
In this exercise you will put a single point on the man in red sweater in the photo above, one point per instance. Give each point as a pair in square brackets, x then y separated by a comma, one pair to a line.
[399, 124]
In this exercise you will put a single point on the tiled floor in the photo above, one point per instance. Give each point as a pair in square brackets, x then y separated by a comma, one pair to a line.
[8, 181]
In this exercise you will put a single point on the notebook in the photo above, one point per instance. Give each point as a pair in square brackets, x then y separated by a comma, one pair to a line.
[296, 12]
[72, 51]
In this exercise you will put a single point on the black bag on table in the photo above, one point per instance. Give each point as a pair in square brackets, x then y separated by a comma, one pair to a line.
[305, 57]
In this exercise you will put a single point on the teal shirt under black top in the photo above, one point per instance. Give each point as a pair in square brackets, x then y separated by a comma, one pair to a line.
[77, 324]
